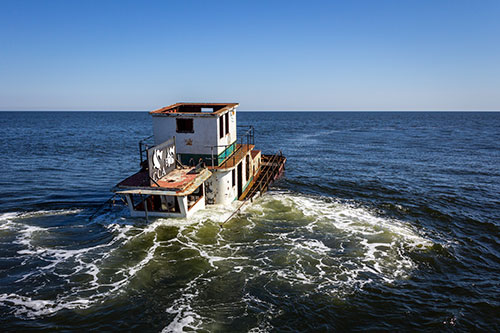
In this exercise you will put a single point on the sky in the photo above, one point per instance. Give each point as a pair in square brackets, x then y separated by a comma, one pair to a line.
[266, 55]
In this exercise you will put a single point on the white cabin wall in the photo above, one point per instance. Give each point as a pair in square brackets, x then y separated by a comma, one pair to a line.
[183, 205]
[247, 177]
[232, 125]
[205, 134]
[219, 189]
[230, 137]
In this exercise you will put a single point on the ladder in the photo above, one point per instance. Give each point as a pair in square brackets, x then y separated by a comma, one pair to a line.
[270, 170]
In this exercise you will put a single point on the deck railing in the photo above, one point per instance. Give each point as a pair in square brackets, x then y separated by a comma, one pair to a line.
[245, 139]
[270, 169]
[143, 148]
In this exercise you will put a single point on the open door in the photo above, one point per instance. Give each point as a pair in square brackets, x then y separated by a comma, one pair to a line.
[240, 180]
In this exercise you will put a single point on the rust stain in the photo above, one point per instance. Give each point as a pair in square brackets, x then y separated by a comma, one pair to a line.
[182, 181]
[195, 108]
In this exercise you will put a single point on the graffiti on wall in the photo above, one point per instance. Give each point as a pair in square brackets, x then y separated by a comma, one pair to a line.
[161, 160]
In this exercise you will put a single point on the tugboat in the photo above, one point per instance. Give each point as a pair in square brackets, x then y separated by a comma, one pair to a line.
[196, 159]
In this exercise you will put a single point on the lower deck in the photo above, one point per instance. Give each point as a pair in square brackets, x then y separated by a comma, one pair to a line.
[144, 205]
[186, 190]
[178, 194]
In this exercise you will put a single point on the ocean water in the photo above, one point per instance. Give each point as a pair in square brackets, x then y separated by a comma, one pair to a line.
[383, 221]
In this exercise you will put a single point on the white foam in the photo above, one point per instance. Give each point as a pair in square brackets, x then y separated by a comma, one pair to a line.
[185, 316]
[21, 215]
[370, 247]
[38, 307]
[334, 248]
[75, 260]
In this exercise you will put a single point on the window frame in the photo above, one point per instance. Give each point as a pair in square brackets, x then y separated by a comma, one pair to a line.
[178, 130]
[221, 127]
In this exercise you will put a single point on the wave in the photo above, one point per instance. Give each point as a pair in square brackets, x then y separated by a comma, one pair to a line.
[301, 244]
[103, 269]
[284, 241]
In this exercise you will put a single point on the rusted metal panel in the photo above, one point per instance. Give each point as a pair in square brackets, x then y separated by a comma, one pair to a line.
[255, 153]
[179, 182]
[190, 188]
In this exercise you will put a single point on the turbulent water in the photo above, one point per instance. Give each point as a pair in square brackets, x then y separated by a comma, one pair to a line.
[383, 221]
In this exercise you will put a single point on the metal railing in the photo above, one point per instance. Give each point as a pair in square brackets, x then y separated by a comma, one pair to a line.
[270, 170]
[245, 139]
[249, 134]
[143, 148]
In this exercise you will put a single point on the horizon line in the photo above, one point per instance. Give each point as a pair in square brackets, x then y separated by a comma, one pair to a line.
[261, 110]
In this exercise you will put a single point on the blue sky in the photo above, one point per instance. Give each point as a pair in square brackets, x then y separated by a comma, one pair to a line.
[266, 55]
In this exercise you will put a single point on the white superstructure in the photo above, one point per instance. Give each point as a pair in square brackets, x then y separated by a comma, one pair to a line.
[213, 165]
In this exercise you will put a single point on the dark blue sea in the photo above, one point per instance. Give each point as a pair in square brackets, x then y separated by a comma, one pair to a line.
[382, 222]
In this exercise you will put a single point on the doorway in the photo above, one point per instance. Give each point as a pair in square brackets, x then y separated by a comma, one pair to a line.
[240, 180]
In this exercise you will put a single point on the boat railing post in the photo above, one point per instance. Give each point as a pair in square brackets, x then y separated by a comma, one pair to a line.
[145, 207]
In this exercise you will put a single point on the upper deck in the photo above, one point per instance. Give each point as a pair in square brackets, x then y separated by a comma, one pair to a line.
[235, 158]
[200, 129]
[194, 109]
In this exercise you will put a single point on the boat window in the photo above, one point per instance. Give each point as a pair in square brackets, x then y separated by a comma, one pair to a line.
[227, 122]
[221, 127]
[155, 203]
[185, 125]
[194, 197]
[233, 174]
[247, 168]
[170, 204]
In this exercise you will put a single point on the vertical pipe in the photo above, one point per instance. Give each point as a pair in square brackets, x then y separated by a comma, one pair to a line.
[145, 208]
[175, 155]
[140, 150]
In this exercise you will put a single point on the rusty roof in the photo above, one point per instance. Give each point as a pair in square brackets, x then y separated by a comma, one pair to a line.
[177, 182]
[194, 108]
[255, 152]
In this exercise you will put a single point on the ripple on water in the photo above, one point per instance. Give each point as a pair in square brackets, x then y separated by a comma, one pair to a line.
[282, 247]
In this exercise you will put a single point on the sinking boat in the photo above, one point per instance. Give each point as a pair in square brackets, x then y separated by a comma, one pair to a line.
[196, 159]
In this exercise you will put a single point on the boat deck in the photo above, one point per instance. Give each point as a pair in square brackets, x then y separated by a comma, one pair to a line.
[235, 158]
[178, 180]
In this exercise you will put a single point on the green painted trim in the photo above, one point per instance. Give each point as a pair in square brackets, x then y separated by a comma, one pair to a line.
[226, 153]
[207, 158]
[185, 158]
[244, 188]
[246, 185]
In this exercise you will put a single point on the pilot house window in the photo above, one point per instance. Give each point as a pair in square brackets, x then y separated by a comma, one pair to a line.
[221, 127]
[184, 125]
